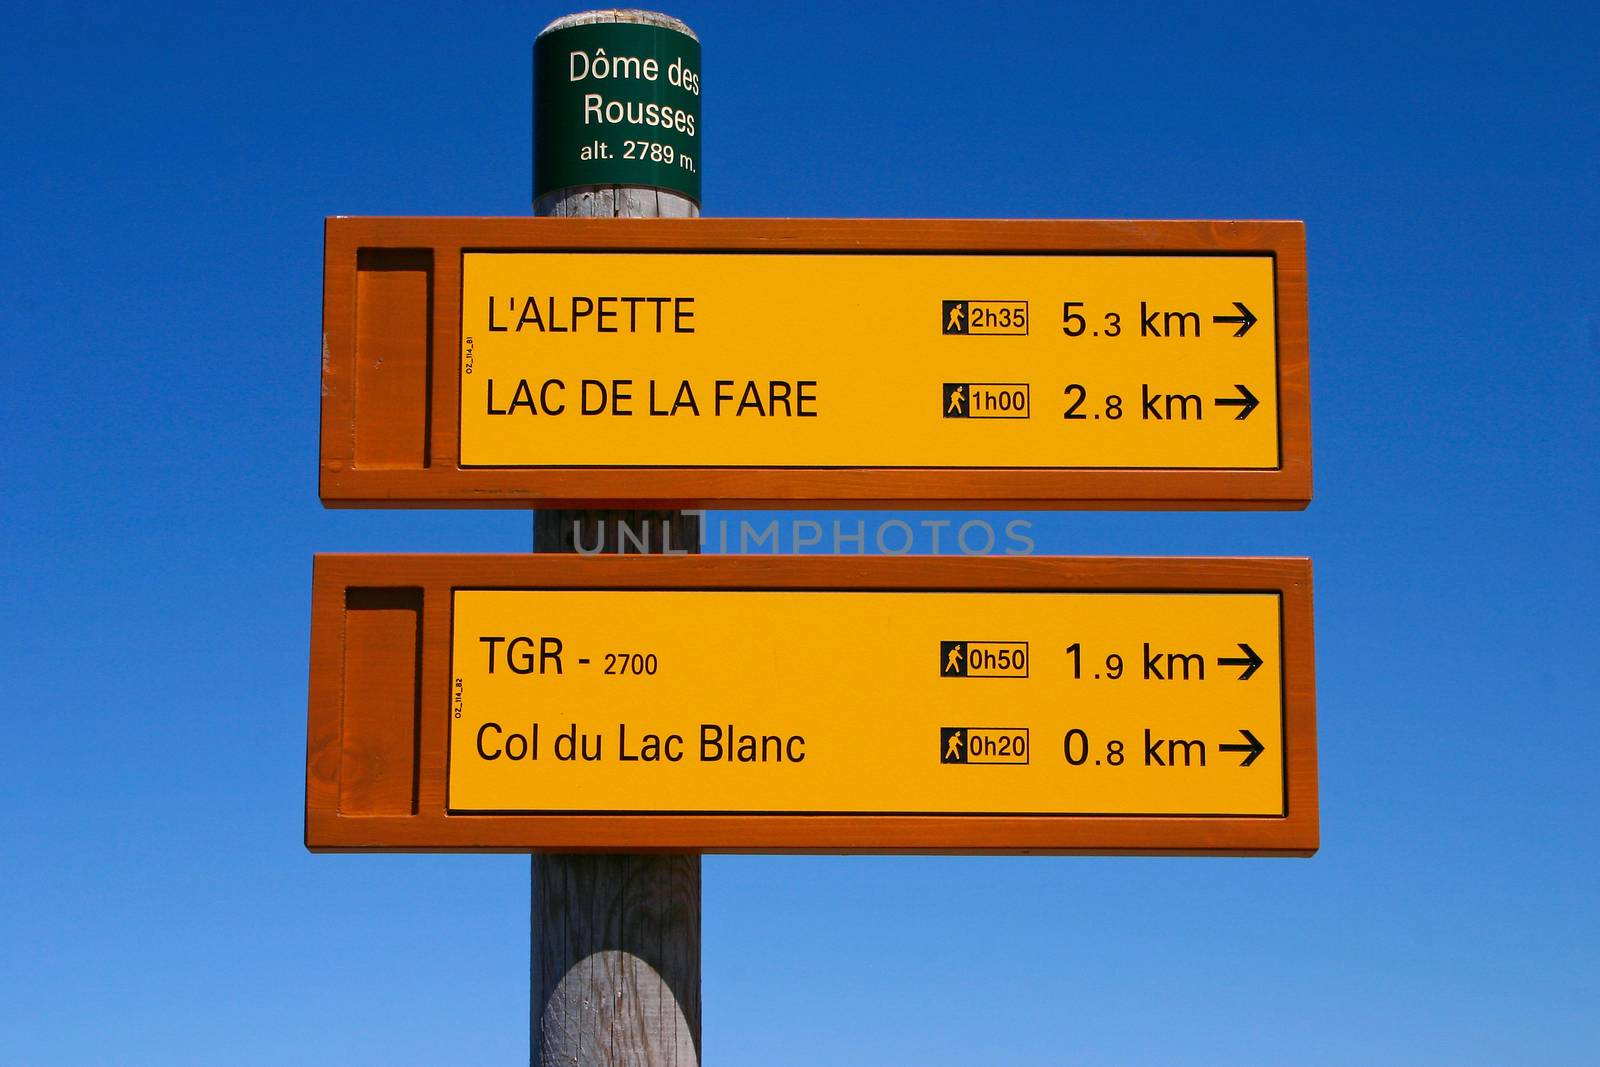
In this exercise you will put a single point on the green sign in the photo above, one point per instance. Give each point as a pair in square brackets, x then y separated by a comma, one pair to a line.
[616, 104]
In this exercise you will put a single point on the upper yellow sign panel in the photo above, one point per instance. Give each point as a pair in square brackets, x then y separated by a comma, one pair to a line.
[1048, 362]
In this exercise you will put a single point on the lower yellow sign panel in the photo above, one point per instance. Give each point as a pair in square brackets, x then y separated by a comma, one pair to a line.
[800, 701]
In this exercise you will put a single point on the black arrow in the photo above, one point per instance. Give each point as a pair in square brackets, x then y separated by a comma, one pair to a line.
[1245, 319]
[1246, 401]
[1255, 748]
[1249, 661]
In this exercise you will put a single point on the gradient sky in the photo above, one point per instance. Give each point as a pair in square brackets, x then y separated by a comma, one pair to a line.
[164, 174]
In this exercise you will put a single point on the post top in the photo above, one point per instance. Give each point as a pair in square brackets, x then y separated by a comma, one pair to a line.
[619, 14]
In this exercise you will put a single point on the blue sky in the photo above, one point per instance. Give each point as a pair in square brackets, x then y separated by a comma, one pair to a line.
[164, 176]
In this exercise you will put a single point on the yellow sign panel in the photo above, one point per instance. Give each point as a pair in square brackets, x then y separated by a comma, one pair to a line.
[739, 359]
[866, 702]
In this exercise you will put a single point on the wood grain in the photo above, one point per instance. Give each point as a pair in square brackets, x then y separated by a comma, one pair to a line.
[378, 733]
[431, 828]
[440, 481]
[616, 960]
[394, 297]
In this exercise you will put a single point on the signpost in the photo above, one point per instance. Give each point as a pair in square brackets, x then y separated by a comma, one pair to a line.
[812, 704]
[769, 363]
[617, 717]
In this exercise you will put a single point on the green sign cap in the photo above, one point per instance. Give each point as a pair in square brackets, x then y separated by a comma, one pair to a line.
[616, 103]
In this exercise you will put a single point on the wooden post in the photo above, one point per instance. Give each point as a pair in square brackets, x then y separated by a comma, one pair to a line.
[615, 975]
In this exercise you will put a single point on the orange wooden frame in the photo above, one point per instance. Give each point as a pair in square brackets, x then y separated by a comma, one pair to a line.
[391, 425]
[378, 735]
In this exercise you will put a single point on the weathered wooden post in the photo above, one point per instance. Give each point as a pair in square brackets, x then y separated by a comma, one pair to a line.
[615, 975]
